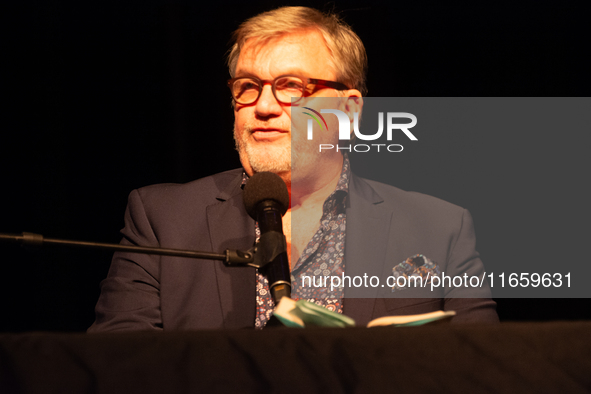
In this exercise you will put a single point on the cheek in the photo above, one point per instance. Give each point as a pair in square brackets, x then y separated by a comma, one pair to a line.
[243, 111]
[298, 127]
[240, 121]
[333, 129]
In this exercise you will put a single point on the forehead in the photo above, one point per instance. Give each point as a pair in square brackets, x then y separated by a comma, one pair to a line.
[301, 53]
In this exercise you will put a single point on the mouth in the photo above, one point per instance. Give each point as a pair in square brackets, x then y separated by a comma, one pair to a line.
[270, 134]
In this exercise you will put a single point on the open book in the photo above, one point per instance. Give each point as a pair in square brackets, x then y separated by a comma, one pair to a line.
[303, 313]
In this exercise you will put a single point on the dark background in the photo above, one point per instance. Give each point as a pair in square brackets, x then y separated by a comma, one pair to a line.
[101, 98]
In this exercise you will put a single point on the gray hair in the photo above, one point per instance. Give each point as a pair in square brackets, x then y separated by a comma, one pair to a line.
[348, 54]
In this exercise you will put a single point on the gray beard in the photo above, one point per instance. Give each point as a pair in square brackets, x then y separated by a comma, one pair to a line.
[264, 157]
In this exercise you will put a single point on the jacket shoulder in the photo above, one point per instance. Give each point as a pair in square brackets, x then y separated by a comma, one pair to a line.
[403, 200]
[204, 189]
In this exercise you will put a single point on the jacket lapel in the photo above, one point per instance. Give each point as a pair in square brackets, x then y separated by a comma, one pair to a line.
[368, 225]
[230, 227]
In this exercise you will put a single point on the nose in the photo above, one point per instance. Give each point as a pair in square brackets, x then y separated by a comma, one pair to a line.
[267, 105]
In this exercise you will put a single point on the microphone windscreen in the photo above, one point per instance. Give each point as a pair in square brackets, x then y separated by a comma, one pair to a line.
[264, 186]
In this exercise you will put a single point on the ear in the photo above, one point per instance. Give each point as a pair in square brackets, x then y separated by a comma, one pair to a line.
[353, 104]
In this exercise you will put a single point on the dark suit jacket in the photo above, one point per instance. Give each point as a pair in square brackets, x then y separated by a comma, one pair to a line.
[385, 225]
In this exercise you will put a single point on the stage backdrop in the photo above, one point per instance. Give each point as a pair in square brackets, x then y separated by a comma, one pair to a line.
[103, 98]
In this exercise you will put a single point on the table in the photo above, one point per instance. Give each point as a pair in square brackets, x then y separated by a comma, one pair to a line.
[510, 357]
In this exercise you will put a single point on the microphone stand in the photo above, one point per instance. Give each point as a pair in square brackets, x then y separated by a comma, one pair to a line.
[231, 258]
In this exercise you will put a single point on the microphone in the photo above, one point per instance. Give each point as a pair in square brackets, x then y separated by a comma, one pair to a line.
[266, 200]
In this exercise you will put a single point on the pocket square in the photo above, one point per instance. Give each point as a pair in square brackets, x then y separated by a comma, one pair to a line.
[415, 271]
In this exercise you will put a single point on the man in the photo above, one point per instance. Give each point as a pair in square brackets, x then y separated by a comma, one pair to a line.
[336, 221]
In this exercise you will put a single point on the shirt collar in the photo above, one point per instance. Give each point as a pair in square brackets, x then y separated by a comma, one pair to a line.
[343, 183]
[337, 198]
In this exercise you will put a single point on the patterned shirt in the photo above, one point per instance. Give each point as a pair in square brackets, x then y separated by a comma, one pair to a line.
[323, 256]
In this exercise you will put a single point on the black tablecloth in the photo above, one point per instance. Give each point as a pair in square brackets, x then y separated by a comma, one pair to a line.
[511, 357]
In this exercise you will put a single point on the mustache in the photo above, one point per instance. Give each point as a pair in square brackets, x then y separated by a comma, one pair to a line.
[250, 126]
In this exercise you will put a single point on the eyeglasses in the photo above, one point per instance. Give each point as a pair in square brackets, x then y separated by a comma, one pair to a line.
[247, 90]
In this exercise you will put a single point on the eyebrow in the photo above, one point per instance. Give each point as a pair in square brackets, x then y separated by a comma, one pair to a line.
[244, 75]
[294, 72]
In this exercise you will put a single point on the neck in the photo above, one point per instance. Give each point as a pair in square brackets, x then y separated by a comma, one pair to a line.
[314, 188]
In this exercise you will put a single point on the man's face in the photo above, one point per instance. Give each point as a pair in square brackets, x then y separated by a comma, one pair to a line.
[263, 130]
